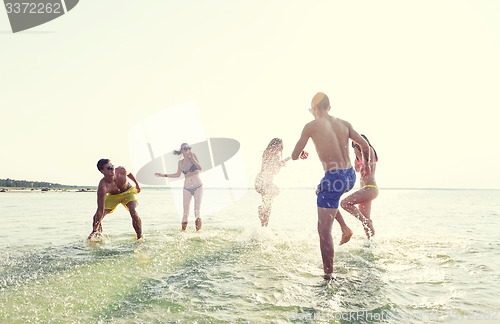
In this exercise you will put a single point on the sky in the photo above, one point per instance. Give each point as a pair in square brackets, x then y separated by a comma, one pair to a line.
[420, 78]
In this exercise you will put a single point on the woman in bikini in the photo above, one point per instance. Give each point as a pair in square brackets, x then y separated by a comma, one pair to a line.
[364, 196]
[271, 164]
[193, 187]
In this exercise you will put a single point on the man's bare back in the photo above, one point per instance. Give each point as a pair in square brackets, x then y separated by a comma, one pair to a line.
[330, 136]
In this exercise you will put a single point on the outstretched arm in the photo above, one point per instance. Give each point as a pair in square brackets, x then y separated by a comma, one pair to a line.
[99, 214]
[301, 144]
[171, 175]
[281, 163]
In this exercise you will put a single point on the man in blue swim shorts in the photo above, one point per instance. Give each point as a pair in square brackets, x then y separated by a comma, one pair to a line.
[333, 185]
[330, 136]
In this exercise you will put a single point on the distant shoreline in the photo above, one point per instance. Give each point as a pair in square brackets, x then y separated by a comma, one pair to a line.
[94, 189]
[23, 189]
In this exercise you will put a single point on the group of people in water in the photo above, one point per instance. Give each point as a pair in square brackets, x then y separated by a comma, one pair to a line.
[114, 188]
[271, 164]
[330, 136]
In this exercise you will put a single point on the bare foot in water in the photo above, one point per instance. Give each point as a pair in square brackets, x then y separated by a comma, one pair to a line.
[346, 236]
[95, 237]
[369, 229]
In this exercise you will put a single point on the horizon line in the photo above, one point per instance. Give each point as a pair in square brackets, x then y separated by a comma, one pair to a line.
[295, 188]
[160, 187]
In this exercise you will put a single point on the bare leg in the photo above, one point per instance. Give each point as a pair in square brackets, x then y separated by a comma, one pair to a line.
[365, 209]
[186, 202]
[260, 190]
[261, 215]
[361, 196]
[325, 221]
[266, 215]
[346, 231]
[265, 209]
[267, 201]
[198, 195]
[136, 220]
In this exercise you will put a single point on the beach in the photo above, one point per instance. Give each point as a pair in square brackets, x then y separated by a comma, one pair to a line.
[435, 257]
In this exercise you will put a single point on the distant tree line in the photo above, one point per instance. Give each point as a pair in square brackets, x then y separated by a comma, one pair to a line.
[30, 184]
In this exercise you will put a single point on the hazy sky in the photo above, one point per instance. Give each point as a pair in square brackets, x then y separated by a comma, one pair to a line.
[420, 78]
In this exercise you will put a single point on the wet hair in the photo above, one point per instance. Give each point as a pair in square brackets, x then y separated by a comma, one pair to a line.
[354, 145]
[180, 149]
[101, 163]
[272, 146]
[321, 101]
[275, 142]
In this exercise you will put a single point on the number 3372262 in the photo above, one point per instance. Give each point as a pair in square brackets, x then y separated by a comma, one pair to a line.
[33, 8]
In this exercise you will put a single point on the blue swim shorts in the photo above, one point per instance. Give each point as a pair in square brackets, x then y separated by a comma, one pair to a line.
[333, 185]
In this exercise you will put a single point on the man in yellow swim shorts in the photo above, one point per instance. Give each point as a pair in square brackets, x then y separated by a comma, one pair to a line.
[115, 189]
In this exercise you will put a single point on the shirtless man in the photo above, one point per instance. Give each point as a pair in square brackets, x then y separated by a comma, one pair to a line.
[115, 189]
[331, 136]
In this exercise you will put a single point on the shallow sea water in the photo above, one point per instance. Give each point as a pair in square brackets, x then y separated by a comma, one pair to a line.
[435, 258]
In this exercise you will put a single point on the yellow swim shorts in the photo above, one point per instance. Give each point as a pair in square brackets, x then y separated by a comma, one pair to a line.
[111, 201]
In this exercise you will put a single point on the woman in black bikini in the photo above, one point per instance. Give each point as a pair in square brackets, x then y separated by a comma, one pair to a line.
[193, 187]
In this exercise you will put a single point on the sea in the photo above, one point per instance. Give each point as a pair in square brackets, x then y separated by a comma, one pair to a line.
[435, 258]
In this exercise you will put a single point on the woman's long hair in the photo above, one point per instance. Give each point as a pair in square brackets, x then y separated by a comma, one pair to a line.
[180, 149]
[354, 145]
[273, 145]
